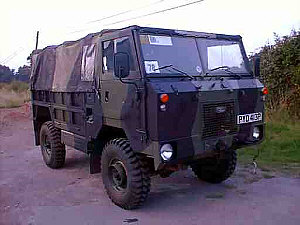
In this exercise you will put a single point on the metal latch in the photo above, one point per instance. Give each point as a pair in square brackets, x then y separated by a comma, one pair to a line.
[143, 134]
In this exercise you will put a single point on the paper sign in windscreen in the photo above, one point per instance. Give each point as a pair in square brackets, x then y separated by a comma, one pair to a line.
[151, 67]
[160, 40]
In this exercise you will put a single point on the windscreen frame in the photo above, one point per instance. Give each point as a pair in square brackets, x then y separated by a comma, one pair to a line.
[191, 34]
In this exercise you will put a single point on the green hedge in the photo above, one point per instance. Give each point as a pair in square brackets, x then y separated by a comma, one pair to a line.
[280, 72]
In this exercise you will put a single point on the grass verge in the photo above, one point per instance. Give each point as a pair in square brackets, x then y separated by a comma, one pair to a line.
[281, 148]
[13, 94]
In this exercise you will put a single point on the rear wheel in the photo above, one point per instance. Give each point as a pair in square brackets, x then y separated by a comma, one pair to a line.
[217, 169]
[53, 150]
[124, 174]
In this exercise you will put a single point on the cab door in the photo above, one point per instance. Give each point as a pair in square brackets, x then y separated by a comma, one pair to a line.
[120, 102]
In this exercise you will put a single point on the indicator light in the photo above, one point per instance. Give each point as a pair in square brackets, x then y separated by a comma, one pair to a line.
[164, 98]
[265, 91]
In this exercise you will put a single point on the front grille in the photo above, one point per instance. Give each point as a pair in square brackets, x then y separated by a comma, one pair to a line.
[219, 119]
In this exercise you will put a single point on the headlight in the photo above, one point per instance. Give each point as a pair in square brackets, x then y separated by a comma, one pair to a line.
[166, 152]
[256, 133]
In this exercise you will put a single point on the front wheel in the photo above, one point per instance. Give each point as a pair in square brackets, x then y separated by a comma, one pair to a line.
[125, 176]
[215, 170]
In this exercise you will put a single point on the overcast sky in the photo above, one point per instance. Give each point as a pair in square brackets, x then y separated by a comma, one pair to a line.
[62, 20]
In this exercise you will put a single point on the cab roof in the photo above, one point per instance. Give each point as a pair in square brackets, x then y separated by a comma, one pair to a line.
[153, 30]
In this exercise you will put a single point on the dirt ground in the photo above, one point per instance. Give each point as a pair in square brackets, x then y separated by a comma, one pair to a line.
[31, 193]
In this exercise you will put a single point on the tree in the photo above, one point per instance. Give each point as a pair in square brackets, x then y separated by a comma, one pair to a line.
[23, 73]
[6, 74]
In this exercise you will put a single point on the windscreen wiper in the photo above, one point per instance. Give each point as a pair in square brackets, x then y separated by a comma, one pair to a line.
[226, 69]
[232, 73]
[217, 68]
[177, 70]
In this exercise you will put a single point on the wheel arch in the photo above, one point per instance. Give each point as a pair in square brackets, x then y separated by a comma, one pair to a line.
[41, 114]
[105, 134]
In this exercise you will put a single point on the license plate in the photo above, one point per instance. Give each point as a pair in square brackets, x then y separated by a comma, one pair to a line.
[249, 118]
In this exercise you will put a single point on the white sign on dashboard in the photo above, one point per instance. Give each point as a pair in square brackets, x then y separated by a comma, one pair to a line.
[160, 40]
[151, 67]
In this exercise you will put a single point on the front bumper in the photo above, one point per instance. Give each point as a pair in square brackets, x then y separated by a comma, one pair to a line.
[189, 149]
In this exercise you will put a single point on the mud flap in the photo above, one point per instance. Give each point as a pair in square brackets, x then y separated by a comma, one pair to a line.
[95, 162]
[95, 156]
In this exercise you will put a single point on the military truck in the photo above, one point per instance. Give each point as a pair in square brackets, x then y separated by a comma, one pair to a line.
[147, 101]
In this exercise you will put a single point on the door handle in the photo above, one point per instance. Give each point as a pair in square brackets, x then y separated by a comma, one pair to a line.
[106, 96]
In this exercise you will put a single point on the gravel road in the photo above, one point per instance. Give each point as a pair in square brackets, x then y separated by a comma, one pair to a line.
[31, 193]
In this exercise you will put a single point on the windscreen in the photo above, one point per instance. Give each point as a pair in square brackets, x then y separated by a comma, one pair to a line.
[179, 52]
[221, 53]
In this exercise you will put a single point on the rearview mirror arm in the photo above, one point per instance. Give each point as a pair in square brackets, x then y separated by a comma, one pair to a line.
[137, 91]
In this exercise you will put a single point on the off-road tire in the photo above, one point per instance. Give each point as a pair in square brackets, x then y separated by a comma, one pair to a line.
[54, 156]
[215, 170]
[134, 193]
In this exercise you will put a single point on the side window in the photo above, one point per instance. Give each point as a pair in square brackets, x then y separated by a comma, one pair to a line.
[114, 46]
[108, 56]
[123, 45]
[87, 62]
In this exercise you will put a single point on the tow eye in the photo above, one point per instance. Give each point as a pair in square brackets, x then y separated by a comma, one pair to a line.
[254, 160]
[255, 166]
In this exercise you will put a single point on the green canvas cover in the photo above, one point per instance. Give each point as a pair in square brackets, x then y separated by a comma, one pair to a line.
[69, 67]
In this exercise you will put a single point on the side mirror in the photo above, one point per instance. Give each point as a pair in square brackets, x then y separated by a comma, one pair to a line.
[121, 64]
[256, 65]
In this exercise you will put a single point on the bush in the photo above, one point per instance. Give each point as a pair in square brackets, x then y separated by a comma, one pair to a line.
[14, 94]
[280, 72]
[16, 86]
